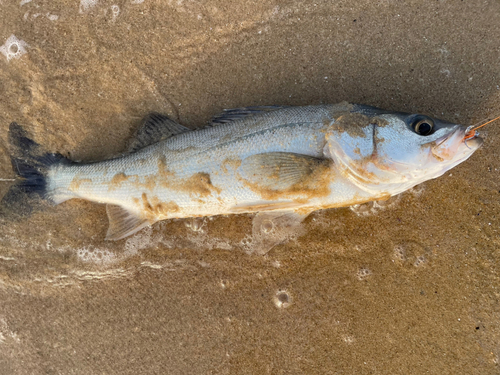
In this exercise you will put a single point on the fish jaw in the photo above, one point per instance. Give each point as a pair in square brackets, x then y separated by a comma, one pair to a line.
[450, 150]
[453, 147]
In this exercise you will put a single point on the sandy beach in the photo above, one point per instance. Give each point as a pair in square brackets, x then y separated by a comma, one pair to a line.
[406, 286]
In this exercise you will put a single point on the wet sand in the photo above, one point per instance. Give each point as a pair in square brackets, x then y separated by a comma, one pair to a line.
[410, 286]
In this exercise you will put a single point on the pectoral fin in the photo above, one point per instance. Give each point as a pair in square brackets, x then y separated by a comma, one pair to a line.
[122, 223]
[280, 170]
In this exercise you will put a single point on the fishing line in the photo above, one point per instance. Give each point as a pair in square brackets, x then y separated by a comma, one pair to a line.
[470, 132]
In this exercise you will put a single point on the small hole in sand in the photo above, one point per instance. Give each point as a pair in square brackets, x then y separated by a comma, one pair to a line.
[282, 299]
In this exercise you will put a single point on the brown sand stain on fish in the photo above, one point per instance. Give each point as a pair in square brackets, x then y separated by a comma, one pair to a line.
[77, 182]
[163, 172]
[199, 184]
[438, 158]
[299, 206]
[336, 111]
[356, 199]
[358, 169]
[376, 138]
[154, 209]
[342, 107]
[145, 203]
[267, 206]
[313, 185]
[163, 209]
[117, 180]
[163, 177]
[230, 163]
[354, 124]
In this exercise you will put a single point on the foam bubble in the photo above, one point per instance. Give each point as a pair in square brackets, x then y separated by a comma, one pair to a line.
[13, 48]
[363, 273]
[115, 9]
[363, 209]
[87, 4]
[371, 208]
[400, 253]
[202, 240]
[411, 252]
[138, 242]
[420, 260]
[91, 254]
[246, 243]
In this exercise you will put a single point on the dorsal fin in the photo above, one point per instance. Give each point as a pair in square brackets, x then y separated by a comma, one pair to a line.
[229, 115]
[122, 223]
[155, 128]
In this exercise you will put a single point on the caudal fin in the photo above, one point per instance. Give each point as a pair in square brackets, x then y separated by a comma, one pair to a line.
[31, 163]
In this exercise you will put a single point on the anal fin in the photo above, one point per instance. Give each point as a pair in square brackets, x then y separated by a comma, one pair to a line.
[122, 223]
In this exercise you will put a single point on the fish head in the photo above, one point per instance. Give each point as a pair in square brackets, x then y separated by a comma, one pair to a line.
[386, 153]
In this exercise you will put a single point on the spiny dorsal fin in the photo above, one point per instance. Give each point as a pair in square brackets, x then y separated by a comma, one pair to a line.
[239, 113]
[279, 170]
[155, 128]
[122, 223]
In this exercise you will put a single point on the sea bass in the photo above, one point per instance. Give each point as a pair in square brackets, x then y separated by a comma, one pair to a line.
[276, 159]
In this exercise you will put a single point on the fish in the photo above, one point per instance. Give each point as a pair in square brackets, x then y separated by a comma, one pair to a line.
[269, 160]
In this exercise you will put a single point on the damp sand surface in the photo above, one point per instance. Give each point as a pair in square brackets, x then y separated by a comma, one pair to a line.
[406, 286]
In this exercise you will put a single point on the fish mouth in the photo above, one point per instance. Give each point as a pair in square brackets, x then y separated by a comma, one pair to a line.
[454, 146]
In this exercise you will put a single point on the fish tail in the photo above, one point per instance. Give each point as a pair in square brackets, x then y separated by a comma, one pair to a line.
[32, 164]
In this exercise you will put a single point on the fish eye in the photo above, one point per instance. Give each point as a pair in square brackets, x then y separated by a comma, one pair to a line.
[423, 125]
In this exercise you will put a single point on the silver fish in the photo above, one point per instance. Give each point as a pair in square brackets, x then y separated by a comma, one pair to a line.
[275, 159]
